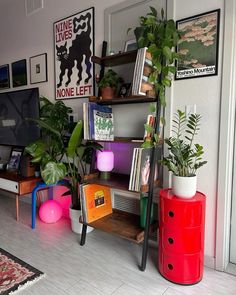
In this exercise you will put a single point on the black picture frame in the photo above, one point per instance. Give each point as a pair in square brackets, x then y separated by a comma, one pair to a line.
[198, 46]
[15, 159]
[38, 68]
[73, 50]
[124, 90]
[4, 77]
[19, 73]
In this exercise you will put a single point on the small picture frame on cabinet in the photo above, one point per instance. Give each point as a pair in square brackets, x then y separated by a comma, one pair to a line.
[15, 158]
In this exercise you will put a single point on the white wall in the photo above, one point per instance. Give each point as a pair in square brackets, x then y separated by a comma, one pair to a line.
[205, 93]
[26, 36]
[22, 37]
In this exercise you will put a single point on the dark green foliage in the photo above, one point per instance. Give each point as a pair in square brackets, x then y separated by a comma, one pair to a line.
[110, 79]
[57, 160]
[160, 36]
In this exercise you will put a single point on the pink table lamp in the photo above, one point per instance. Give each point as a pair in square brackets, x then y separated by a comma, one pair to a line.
[105, 163]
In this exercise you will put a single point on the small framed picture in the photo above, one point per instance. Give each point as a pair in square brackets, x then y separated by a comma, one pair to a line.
[4, 77]
[15, 158]
[130, 45]
[19, 73]
[38, 68]
[124, 90]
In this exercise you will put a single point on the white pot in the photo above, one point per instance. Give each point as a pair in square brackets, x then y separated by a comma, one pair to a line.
[184, 187]
[76, 226]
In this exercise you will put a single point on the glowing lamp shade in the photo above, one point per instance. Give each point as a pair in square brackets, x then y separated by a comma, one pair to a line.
[50, 211]
[105, 162]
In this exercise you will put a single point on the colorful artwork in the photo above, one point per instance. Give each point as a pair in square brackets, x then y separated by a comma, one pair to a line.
[74, 46]
[198, 45]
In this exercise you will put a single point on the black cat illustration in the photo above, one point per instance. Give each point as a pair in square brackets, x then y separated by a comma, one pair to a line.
[79, 50]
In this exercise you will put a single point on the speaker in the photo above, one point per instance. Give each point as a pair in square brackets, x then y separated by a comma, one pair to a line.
[27, 169]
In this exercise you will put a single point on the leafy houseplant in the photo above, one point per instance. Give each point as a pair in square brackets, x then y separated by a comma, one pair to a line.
[109, 83]
[185, 156]
[160, 36]
[56, 158]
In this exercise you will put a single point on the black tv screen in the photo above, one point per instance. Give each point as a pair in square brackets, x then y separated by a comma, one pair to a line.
[15, 106]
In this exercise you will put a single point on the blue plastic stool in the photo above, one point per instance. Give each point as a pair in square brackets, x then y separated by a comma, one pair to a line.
[40, 186]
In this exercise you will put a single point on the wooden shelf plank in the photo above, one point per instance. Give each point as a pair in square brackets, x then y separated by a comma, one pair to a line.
[123, 100]
[116, 59]
[121, 223]
[118, 181]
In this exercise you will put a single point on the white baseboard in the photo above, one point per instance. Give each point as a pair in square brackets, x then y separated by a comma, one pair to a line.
[209, 261]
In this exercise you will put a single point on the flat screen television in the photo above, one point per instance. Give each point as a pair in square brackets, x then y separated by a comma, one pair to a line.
[15, 107]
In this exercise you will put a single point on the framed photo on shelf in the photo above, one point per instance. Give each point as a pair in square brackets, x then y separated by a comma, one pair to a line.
[74, 45]
[198, 45]
[15, 158]
[130, 45]
[4, 77]
[19, 73]
[124, 90]
[38, 68]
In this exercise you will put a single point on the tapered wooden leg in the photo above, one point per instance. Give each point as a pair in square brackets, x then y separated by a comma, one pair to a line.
[17, 207]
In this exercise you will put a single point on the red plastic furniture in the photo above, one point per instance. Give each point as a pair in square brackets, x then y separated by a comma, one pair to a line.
[181, 237]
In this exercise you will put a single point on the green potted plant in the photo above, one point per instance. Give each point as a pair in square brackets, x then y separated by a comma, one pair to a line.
[160, 36]
[57, 159]
[109, 83]
[185, 156]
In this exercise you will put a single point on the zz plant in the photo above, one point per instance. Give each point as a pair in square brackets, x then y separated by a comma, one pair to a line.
[184, 157]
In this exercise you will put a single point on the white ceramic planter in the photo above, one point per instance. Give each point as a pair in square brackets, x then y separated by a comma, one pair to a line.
[76, 226]
[184, 187]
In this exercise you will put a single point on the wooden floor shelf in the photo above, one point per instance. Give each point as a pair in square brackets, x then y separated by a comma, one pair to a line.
[124, 100]
[123, 224]
[116, 59]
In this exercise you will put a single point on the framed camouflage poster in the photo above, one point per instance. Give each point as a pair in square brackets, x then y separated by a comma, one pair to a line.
[198, 45]
[73, 49]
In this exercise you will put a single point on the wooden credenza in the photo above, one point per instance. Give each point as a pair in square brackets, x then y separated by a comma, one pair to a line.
[18, 185]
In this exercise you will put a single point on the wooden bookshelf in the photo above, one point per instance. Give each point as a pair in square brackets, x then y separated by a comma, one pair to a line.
[119, 181]
[123, 100]
[121, 223]
[116, 59]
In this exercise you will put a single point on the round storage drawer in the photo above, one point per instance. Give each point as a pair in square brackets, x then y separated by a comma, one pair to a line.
[175, 211]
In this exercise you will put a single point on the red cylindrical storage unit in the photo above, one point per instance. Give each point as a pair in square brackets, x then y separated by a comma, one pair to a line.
[181, 237]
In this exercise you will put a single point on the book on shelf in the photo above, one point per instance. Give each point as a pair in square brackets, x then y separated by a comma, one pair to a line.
[95, 201]
[142, 70]
[98, 122]
[140, 169]
[150, 122]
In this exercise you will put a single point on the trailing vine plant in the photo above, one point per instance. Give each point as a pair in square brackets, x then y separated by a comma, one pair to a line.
[160, 36]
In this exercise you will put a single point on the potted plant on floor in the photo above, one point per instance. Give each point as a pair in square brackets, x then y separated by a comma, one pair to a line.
[109, 83]
[57, 158]
[185, 156]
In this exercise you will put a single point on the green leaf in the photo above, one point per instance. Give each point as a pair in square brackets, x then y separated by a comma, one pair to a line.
[75, 140]
[53, 172]
[167, 53]
[153, 10]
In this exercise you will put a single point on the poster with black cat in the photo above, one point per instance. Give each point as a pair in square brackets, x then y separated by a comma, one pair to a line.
[73, 49]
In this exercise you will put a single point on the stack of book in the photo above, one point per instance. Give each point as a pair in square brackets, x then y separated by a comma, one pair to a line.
[95, 201]
[142, 70]
[98, 122]
[140, 168]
